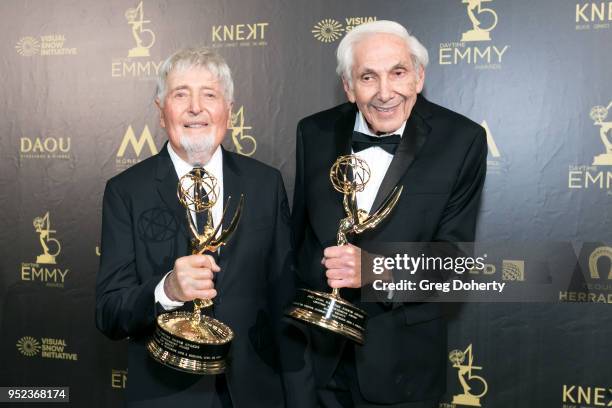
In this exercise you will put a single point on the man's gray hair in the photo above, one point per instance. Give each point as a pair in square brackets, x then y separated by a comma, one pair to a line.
[345, 53]
[200, 57]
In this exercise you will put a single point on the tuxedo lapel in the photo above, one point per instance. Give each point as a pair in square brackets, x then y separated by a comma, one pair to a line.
[167, 183]
[327, 202]
[413, 138]
[232, 189]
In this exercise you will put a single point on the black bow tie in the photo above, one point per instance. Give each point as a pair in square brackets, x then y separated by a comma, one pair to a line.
[361, 141]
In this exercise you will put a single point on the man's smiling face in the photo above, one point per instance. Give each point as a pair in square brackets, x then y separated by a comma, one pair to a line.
[195, 113]
[385, 82]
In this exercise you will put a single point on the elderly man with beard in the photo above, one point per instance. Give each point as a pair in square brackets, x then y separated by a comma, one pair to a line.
[146, 269]
[439, 157]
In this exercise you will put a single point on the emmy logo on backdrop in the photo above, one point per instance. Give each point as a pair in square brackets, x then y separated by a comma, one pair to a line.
[478, 33]
[135, 18]
[457, 357]
[238, 135]
[348, 175]
[599, 114]
[43, 227]
[190, 341]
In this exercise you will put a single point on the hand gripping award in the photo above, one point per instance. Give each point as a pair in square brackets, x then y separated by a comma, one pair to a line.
[191, 341]
[348, 175]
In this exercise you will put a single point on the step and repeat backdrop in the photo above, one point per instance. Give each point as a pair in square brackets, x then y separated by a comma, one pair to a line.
[77, 107]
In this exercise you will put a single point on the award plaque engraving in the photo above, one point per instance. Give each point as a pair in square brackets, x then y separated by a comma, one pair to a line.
[348, 175]
[190, 341]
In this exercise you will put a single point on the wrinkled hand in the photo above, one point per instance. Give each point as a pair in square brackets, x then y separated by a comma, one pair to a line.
[192, 278]
[343, 265]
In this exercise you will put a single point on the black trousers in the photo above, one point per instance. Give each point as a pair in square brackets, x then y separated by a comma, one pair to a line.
[343, 389]
[222, 399]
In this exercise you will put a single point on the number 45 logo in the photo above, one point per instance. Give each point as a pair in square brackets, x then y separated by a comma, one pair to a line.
[244, 144]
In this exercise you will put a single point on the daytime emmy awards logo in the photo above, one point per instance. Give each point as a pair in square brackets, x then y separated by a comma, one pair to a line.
[478, 32]
[599, 114]
[43, 270]
[43, 228]
[135, 18]
[594, 177]
[467, 379]
[143, 37]
[244, 144]
[483, 20]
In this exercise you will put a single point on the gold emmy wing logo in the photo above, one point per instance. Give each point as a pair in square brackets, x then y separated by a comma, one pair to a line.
[466, 378]
[328, 30]
[599, 114]
[129, 139]
[595, 255]
[51, 246]
[28, 46]
[28, 346]
[244, 144]
[474, 11]
[135, 18]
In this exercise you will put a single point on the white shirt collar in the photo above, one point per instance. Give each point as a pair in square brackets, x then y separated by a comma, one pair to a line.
[214, 165]
[362, 126]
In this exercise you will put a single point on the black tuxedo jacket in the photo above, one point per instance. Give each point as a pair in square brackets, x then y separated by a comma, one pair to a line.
[441, 163]
[144, 230]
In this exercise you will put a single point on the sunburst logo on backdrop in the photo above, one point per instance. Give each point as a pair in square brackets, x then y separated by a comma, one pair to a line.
[28, 46]
[28, 346]
[328, 30]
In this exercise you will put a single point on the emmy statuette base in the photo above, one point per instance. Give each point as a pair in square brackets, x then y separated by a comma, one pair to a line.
[175, 347]
[329, 312]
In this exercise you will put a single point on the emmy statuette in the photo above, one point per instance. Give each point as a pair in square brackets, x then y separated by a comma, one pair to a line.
[190, 341]
[348, 175]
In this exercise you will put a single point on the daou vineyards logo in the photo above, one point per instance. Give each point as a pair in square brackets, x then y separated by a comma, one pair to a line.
[330, 30]
[594, 177]
[50, 45]
[47, 147]
[132, 150]
[593, 15]
[240, 35]
[46, 268]
[475, 46]
[136, 62]
[46, 347]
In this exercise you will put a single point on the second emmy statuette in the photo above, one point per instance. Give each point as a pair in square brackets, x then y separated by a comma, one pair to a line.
[349, 175]
[190, 341]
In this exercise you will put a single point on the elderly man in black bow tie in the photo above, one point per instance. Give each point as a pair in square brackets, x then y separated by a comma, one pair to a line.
[439, 157]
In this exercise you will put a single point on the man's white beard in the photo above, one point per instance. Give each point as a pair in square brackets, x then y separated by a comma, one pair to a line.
[199, 149]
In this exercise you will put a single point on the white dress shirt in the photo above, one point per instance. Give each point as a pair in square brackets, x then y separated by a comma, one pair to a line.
[377, 158]
[214, 167]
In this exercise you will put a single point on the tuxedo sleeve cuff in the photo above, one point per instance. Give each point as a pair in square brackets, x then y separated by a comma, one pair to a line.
[163, 299]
